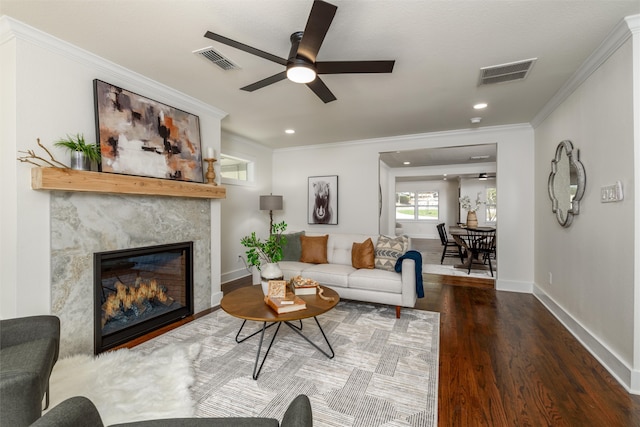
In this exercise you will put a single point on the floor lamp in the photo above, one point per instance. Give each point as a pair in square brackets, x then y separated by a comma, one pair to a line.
[270, 203]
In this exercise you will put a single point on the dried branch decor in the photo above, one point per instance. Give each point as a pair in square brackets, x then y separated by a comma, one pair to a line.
[32, 158]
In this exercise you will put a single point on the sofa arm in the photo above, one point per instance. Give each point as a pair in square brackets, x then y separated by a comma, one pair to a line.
[408, 273]
[21, 400]
[76, 411]
[24, 329]
[298, 413]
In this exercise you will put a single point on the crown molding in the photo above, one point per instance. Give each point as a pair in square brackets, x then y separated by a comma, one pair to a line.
[616, 38]
[12, 29]
[490, 131]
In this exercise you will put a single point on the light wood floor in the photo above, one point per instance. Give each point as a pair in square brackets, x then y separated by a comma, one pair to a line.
[506, 361]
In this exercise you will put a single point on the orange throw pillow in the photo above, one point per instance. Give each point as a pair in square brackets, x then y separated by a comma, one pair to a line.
[314, 249]
[363, 254]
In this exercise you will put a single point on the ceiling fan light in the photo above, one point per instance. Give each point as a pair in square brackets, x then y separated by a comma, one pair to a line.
[301, 72]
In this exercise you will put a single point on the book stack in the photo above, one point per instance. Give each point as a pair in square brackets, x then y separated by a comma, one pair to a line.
[302, 286]
[285, 305]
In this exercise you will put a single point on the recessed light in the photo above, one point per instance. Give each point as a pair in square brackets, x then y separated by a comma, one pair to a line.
[476, 120]
[406, 163]
[480, 106]
[290, 131]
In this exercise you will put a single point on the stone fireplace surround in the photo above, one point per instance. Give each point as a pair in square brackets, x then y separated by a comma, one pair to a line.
[84, 223]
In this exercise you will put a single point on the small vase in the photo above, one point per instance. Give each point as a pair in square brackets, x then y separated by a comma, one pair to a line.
[472, 220]
[270, 271]
[79, 161]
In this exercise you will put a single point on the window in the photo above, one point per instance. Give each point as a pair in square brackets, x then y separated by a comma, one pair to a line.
[419, 206]
[235, 170]
[491, 205]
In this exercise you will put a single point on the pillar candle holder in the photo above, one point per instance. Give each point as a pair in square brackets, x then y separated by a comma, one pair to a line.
[211, 173]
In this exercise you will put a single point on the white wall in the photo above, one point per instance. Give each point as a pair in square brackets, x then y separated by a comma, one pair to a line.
[241, 210]
[594, 262]
[471, 187]
[47, 92]
[356, 164]
[387, 224]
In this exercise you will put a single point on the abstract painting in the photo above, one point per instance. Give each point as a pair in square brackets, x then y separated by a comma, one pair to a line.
[142, 137]
[323, 200]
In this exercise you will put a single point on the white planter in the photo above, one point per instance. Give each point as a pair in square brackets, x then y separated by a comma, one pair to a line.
[268, 272]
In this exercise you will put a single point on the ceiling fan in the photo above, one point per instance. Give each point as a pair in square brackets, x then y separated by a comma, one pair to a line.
[301, 65]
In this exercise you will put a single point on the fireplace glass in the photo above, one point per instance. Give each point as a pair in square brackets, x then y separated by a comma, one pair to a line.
[140, 290]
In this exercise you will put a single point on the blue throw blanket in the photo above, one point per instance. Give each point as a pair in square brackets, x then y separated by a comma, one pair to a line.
[417, 257]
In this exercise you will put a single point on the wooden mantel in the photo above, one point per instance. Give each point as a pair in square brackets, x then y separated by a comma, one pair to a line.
[45, 178]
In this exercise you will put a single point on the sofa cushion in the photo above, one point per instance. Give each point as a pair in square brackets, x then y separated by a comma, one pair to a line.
[329, 274]
[339, 246]
[314, 249]
[376, 280]
[363, 254]
[292, 250]
[388, 250]
[291, 269]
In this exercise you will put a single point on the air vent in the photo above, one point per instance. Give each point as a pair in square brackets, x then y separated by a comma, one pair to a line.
[506, 72]
[215, 57]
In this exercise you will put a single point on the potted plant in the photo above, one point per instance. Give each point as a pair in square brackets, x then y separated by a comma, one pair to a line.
[82, 154]
[264, 255]
[472, 217]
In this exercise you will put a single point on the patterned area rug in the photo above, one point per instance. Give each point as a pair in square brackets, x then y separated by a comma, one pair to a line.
[385, 370]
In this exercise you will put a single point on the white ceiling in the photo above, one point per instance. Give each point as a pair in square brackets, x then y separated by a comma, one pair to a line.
[439, 48]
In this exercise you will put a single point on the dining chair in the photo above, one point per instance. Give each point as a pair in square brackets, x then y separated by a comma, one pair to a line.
[482, 244]
[450, 247]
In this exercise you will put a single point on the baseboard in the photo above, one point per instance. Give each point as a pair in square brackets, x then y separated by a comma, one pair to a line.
[627, 377]
[513, 286]
[230, 276]
[423, 236]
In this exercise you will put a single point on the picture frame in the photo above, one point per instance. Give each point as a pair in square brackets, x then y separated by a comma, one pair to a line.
[143, 137]
[323, 200]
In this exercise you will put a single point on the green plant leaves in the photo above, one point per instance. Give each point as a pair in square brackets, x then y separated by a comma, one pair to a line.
[268, 251]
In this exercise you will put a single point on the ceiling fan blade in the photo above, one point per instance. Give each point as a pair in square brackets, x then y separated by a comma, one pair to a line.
[320, 19]
[319, 88]
[265, 82]
[245, 48]
[344, 67]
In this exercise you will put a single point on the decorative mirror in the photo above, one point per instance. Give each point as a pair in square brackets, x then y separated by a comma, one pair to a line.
[566, 183]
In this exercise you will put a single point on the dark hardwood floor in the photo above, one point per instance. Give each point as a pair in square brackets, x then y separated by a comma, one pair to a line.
[506, 361]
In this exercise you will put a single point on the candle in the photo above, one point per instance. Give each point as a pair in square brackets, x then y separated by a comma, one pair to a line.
[210, 153]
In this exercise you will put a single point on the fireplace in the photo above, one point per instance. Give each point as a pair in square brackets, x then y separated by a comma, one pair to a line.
[139, 290]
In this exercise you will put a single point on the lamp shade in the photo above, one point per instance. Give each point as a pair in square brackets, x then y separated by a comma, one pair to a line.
[271, 203]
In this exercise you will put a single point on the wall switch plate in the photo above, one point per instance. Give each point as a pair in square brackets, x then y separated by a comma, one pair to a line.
[611, 193]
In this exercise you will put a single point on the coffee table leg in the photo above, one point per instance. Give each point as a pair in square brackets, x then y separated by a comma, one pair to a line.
[256, 370]
[247, 337]
[297, 331]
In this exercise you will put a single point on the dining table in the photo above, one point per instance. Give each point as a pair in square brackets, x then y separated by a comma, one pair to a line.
[460, 235]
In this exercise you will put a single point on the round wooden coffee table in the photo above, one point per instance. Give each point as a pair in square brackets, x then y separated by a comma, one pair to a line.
[248, 303]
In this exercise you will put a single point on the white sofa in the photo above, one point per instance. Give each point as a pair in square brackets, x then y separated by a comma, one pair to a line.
[371, 285]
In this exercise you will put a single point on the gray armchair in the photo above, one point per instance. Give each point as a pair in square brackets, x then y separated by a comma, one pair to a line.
[29, 348]
[80, 412]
